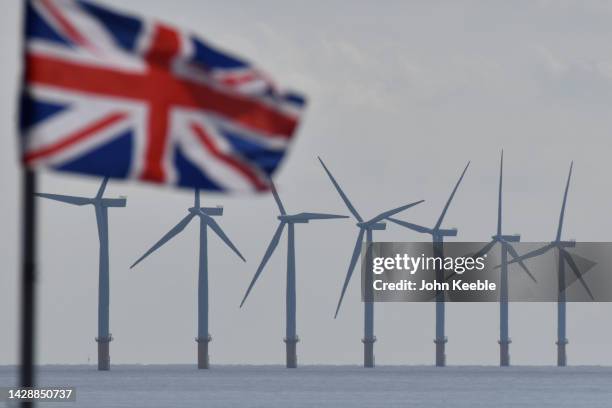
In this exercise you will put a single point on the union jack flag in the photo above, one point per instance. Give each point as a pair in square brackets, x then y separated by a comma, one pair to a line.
[115, 95]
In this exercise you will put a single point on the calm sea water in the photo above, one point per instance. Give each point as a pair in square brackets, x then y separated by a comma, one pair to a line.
[328, 386]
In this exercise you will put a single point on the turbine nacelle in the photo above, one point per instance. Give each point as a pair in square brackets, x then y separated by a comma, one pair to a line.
[293, 219]
[448, 232]
[564, 244]
[372, 226]
[211, 211]
[112, 202]
[507, 238]
[304, 217]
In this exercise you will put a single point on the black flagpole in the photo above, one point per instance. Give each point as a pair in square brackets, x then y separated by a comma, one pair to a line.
[27, 376]
[28, 281]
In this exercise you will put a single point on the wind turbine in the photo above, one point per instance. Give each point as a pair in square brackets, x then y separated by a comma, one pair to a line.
[505, 241]
[291, 337]
[365, 228]
[101, 206]
[437, 234]
[564, 257]
[205, 214]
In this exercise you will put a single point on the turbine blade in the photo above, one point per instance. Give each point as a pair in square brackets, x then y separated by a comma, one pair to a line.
[271, 247]
[515, 255]
[66, 199]
[319, 216]
[574, 268]
[409, 225]
[342, 195]
[279, 203]
[102, 188]
[439, 223]
[215, 227]
[389, 213]
[485, 249]
[532, 254]
[562, 215]
[169, 235]
[482, 251]
[351, 267]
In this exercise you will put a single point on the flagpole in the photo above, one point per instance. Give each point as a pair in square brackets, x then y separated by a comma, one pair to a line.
[28, 281]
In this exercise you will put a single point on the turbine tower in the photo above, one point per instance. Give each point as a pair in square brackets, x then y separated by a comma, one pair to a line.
[291, 337]
[365, 228]
[437, 234]
[564, 258]
[505, 241]
[101, 206]
[205, 214]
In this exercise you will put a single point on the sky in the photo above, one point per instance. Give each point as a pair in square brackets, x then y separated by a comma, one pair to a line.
[401, 96]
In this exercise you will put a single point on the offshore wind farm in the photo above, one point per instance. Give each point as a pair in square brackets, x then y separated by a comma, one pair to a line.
[228, 384]
[364, 239]
[271, 153]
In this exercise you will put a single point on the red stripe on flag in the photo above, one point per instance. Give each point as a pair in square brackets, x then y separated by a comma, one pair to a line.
[165, 46]
[242, 168]
[181, 92]
[73, 138]
[239, 79]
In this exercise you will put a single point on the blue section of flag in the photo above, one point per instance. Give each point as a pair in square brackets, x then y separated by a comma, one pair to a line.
[189, 175]
[34, 111]
[295, 99]
[112, 159]
[266, 159]
[37, 27]
[211, 58]
[124, 29]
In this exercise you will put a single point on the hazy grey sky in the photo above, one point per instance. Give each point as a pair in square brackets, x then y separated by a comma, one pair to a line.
[401, 96]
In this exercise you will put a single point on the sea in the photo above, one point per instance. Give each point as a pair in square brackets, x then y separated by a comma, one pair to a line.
[321, 386]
